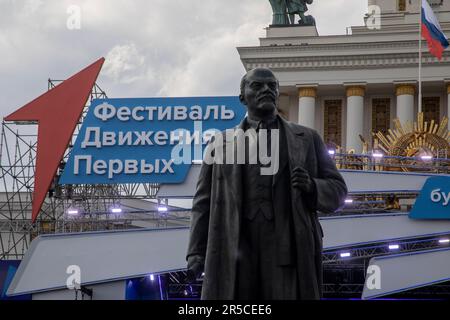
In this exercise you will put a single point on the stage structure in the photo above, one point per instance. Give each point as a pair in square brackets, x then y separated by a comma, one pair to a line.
[359, 91]
[67, 208]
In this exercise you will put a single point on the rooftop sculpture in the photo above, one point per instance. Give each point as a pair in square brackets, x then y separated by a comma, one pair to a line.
[284, 12]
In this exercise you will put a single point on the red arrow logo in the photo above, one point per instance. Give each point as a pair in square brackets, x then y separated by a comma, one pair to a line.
[57, 113]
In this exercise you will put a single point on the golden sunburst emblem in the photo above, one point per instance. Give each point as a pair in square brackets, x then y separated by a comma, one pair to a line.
[420, 140]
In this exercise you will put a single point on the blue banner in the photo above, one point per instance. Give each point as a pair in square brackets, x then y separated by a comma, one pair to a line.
[144, 140]
[433, 202]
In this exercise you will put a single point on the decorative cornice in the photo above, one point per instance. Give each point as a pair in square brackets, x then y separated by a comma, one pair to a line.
[355, 91]
[412, 44]
[405, 89]
[368, 61]
[307, 92]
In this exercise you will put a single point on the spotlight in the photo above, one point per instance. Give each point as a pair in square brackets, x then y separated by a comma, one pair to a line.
[73, 212]
[348, 201]
[331, 152]
[444, 241]
[377, 155]
[152, 277]
[163, 209]
[116, 210]
[394, 247]
[426, 158]
[346, 255]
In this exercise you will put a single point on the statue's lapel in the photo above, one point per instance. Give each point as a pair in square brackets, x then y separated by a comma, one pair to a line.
[232, 173]
[296, 145]
[283, 156]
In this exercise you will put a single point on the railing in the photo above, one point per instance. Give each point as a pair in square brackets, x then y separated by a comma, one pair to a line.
[379, 162]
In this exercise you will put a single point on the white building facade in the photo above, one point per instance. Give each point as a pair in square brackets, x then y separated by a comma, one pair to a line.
[347, 86]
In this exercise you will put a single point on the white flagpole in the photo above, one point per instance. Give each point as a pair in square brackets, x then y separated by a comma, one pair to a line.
[420, 59]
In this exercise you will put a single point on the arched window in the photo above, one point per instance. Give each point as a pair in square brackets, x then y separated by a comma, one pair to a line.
[401, 5]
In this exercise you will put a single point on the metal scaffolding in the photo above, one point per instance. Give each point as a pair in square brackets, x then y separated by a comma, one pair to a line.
[382, 249]
[18, 146]
[343, 277]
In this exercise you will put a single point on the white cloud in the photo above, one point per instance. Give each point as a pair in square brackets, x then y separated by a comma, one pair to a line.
[214, 67]
[123, 63]
[158, 47]
[31, 7]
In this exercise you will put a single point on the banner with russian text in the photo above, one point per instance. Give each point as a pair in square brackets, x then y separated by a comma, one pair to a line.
[433, 202]
[148, 140]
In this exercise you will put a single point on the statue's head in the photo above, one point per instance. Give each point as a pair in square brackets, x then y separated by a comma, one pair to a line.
[260, 91]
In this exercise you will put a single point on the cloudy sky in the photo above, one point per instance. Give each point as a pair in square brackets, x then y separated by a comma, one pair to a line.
[152, 47]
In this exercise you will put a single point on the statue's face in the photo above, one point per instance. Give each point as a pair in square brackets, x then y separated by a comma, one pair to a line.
[261, 92]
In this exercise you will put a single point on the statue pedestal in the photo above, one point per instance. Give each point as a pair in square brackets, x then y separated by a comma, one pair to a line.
[291, 31]
[281, 35]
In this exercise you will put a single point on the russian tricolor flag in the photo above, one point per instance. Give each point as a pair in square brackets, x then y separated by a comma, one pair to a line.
[432, 31]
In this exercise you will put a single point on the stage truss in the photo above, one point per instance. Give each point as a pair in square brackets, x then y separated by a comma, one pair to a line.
[18, 144]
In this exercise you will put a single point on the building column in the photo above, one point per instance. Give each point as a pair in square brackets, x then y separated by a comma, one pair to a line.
[405, 102]
[307, 106]
[355, 117]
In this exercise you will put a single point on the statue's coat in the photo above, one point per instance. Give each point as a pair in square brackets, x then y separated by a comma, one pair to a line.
[217, 211]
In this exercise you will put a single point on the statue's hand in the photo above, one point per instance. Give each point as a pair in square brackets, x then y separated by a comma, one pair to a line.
[195, 268]
[302, 180]
[191, 276]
